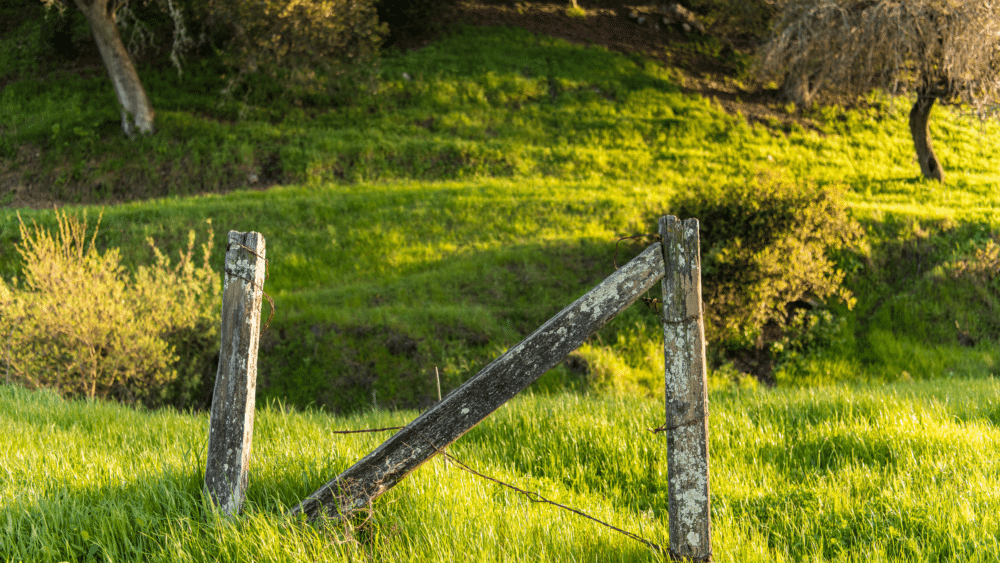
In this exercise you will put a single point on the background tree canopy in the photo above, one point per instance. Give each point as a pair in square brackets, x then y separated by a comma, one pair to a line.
[943, 50]
[307, 47]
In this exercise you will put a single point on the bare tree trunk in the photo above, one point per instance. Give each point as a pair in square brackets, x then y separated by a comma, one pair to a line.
[137, 113]
[929, 164]
[797, 89]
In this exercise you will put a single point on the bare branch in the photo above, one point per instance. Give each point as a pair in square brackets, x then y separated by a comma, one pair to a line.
[946, 48]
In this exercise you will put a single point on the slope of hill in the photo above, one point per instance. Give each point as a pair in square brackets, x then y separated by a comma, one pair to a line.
[482, 188]
[434, 224]
[64, 152]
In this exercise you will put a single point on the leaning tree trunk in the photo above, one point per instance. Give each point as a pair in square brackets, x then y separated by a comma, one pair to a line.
[137, 113]
[929, 164]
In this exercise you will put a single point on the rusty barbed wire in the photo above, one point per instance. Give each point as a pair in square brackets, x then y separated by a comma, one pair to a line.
[664, 427]
[386, 429]
[653, 236]
[267, 262]
[687, 319]
[269, 317]
[532, 496]
[267, 274]
[649, 302]
[536, 497]
[652, 303]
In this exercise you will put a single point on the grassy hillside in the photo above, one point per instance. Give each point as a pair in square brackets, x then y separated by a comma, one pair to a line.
[442, 220]
[905, 472]
[437, 222]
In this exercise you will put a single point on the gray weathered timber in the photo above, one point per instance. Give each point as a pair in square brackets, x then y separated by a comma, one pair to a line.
[474, 400]
[686, 392]
[230, 430]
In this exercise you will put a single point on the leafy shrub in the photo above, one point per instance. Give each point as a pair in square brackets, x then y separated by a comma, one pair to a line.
[807, 334]
[983, 266]
[82, 325]
[767, 245]
[21, 50]
[968, 296]
[308, 47]
[749, 17]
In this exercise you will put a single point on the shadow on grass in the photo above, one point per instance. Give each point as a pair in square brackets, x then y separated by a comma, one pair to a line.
[449, 322]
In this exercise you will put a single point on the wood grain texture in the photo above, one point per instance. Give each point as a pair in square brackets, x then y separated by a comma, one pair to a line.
[686, 392]
[230, 433]
[474, 400]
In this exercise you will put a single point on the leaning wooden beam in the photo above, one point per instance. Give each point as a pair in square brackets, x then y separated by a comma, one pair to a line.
[230, 430]
[474, 400]
[686, 392]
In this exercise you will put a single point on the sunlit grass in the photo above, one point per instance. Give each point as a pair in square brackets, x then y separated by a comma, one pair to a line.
[905, 472]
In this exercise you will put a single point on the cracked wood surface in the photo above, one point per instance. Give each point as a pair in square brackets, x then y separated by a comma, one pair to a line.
[230, 432]
[686, 392]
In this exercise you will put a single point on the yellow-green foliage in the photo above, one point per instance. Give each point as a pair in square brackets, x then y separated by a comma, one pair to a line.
[765, 243]
[984, 266]
[81, 324]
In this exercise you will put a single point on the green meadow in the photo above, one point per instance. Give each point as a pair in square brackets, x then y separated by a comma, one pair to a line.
[436, 221]
[898, 472]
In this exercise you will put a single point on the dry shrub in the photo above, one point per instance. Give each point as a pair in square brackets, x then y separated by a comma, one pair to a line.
[983, 266]
[947, 48]
[81, 325]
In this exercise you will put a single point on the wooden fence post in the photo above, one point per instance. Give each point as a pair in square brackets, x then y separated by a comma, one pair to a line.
[686, 392]
[230, 430]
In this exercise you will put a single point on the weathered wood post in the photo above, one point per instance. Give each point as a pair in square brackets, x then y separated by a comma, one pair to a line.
[230, 430]
[475, 399]
[686, 392]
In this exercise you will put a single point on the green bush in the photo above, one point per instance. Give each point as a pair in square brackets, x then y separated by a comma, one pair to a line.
[308, 48]
[744, 17]
[81, 325]
[21, 50]
[982, 267]
[767, 245]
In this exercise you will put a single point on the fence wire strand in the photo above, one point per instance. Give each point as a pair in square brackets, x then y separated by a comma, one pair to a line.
[649, 302]
[386, 429]
[533, 496]
[536, 497]
[530, 495]
[653, 236]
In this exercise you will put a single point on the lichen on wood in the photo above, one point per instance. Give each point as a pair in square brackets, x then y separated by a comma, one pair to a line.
[230, 434]
[686, 392]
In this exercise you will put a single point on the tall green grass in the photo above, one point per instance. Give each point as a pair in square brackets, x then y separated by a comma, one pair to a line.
[905, 472]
